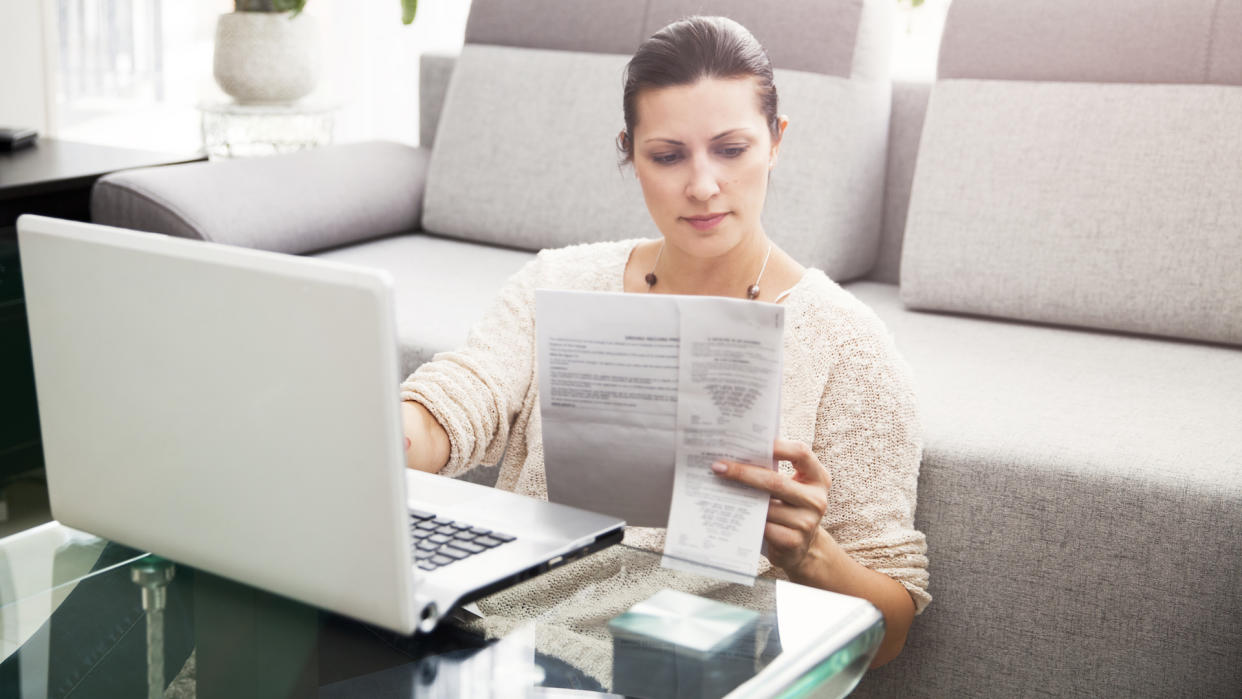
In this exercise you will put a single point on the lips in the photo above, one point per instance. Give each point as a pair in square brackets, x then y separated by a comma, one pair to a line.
[706, 221]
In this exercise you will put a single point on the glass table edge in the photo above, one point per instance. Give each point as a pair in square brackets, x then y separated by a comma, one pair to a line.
[46, 527]
[857, 635]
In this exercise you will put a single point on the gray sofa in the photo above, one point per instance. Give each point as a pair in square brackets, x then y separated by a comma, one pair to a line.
[1052, 231]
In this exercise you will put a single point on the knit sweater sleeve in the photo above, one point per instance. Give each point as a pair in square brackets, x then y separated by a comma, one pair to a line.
[476, 391]
[869, 437]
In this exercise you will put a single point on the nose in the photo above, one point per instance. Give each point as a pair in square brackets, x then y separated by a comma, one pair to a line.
[703, 183]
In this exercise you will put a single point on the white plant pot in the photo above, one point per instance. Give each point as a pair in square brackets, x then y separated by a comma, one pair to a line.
[266, 57]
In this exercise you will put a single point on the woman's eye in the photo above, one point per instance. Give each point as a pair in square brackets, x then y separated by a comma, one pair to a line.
[665, 158]
[732, 151]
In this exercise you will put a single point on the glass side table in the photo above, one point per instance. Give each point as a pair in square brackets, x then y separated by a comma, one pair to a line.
[82, 613]
[232, 130]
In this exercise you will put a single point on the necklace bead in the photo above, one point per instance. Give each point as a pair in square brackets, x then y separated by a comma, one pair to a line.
[752, 291]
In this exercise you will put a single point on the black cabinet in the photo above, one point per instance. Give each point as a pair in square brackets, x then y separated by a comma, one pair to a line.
[52, 178]
[19, 418]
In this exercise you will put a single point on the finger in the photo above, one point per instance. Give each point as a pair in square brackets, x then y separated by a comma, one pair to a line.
[799, 518]
[771, 482]
[803, 459]
[781, 539]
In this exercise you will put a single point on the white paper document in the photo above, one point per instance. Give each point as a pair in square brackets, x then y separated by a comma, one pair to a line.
[639, 394]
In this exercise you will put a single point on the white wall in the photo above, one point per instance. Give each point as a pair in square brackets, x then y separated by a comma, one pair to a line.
[27, 92]
[916, 44]
[371, 61]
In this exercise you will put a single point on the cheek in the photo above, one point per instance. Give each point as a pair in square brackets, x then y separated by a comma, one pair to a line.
[658, 187]
[751, 181]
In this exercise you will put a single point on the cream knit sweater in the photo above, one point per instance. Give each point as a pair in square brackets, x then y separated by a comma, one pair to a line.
[845, 392]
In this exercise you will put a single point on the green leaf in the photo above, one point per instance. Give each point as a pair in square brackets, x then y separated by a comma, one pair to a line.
[408, 9]
[294, 7]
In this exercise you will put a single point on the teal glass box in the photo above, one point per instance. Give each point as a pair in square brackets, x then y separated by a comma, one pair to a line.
[675, 644]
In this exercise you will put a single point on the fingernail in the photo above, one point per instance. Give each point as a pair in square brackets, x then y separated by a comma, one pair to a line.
[719, 467]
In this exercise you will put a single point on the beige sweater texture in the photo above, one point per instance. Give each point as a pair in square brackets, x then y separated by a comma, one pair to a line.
[845, 391]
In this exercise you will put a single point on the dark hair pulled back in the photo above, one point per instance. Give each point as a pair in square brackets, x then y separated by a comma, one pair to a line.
[690, 50]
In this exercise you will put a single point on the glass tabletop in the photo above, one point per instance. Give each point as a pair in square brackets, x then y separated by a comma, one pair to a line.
[82, 616]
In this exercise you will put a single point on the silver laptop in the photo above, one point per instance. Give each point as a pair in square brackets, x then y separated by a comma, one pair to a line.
[238, 411]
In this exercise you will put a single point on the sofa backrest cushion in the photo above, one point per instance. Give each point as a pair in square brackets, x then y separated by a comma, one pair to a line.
[525, 150]
[1097, 204]
[1107, 206]
[1130, 41]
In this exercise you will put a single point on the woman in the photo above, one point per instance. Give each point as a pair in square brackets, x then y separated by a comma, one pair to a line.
[703, 133]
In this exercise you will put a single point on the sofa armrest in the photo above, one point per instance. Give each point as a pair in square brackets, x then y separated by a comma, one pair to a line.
[295, 203]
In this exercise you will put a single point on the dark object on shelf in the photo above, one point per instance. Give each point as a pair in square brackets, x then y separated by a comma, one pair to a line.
[12, 139]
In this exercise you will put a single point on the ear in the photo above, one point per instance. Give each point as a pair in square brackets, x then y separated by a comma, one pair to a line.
[782, 122]
[622, 142]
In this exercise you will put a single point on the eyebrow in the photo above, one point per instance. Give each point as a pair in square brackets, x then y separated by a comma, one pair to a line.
[717, 137]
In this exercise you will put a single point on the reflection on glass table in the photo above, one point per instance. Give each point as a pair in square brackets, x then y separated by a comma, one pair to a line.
[86, 617]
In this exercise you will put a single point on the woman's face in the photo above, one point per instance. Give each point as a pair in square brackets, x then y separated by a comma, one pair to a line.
[702, 153]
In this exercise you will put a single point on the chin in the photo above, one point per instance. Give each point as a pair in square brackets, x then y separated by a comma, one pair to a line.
[697, 243]
[713, 243]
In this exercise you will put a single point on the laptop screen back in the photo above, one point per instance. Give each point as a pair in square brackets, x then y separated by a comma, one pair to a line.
[231, 409]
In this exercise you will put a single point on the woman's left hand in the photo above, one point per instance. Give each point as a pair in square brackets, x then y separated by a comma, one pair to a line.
[797, 505]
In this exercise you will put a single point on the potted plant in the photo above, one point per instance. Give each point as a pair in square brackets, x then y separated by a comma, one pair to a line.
[267, 51]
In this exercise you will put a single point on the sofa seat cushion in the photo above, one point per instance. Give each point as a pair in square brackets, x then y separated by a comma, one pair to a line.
[441, 287]
[1143, 408]
[1081, 493]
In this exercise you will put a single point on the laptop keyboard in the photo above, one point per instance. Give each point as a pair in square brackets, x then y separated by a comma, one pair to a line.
[439, 542]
